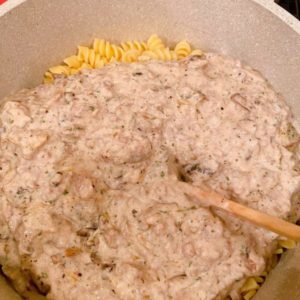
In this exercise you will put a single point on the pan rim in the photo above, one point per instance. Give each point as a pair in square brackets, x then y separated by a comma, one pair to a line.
[269, 5]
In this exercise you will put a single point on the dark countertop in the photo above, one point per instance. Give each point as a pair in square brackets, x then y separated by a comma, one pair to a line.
[293, 6]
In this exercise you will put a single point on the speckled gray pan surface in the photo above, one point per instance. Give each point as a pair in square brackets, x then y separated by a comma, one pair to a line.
[38, 33]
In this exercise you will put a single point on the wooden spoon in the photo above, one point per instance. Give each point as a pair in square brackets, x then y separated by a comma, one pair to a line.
[207, 197]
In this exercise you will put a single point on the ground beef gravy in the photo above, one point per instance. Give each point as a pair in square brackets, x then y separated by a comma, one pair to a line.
[88, 208]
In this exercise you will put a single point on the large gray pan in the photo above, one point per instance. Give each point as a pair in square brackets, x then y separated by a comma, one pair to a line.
[36, 34]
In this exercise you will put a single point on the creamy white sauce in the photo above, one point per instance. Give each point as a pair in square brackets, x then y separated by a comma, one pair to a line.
[88, 206]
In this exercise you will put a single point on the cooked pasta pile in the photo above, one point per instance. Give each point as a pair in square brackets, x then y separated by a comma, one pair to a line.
[103, 52]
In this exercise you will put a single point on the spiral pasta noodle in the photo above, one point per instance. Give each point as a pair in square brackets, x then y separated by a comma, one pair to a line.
[196, 52]
[108, 50]
[134, 45]
[103, 52]
[164, 54]
[130, 56]
[154, 42]
[73, 61]
[183, 49]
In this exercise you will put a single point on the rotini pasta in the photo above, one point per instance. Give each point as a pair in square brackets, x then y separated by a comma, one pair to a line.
[48, 77]
[183, 49]
[196, 52]
[60, 70]
[85, 66]
[103, 52]
[249, 295]
[147, 55]
[107, 50]
[134, 45]
[130, 56]
[164, 54]
[73, 61]
[83, 54]
[287, 244]
[100, 61]
[154, 42]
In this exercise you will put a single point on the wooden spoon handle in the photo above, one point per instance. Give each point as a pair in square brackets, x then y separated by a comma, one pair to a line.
[266, 221]
[207, 197]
